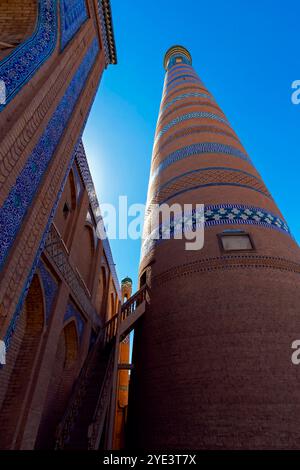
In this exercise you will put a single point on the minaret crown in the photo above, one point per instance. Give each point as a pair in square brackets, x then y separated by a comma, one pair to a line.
[177, 54]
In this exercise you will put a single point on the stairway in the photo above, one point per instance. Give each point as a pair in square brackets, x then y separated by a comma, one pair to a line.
[84, 420]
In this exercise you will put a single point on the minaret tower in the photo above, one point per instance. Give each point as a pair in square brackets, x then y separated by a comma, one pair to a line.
[212, 355]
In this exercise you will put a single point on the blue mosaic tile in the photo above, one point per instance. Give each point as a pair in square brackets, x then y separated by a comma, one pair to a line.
[22, 193]
[225, 214]
[72, 312]
[12, 326]
[198, 149]
[50, 288]
[73, 13]
[184, 96]
[18, 67]
[188, 116]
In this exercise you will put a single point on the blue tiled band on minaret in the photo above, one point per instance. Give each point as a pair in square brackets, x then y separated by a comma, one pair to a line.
[182, 97]
[222, 214]
[183, 81]
[198, 149]
[188, 116]
[169, 82]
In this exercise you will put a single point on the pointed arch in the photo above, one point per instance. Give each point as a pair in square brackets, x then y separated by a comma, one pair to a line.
[21, 361]
[64, 372]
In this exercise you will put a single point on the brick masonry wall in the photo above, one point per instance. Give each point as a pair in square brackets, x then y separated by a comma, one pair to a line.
[17, 22]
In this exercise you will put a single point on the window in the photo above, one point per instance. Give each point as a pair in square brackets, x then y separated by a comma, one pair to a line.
[178, 60]
[235, 240]
[66, 210]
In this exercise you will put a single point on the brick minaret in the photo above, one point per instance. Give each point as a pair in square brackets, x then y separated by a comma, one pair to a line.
[213, 354]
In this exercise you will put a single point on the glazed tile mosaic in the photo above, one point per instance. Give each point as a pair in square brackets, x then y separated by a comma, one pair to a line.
[225, 214]
[72, 312]
[50, 288]
[73, 14]
[19, 66]
[21, 195]
[198, 149]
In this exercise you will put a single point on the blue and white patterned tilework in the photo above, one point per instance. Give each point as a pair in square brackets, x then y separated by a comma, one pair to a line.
[18, 67]
[23, 192]
[72, 312]
[198, 149]
[50, 288]
[73, 13]
[12, 326]
[184, 96]
[188, 116]
[225, 214]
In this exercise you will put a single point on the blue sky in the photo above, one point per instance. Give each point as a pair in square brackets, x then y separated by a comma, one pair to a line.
[247, 54]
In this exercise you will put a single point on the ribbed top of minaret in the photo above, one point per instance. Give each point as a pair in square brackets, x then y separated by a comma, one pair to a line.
[177, 54]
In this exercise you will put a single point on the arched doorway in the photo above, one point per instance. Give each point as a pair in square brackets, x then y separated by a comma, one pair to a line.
[20, 362]
[59, 390]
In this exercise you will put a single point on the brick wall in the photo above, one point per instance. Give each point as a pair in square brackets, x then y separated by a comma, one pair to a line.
[17, 22]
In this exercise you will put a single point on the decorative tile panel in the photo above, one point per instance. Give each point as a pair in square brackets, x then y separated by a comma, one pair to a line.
[222, 214]
[50, 287]
[72, 312]
[73, 13]
[18, 67]
[23, 192]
